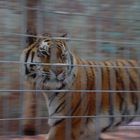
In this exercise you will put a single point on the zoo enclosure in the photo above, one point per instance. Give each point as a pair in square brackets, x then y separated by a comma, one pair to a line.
[98, 30]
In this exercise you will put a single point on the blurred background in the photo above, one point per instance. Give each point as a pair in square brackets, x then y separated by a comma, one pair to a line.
[98, 30]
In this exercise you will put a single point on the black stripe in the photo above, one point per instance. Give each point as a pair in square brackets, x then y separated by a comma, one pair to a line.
[55, 94]
[46, 77]
[59, 108]
[62, 96]
[133, 82]
[71, 64]
[32, 65]
[91, 82]
[52, 98]
[58, 122]
[130, 76]
[121, 85]
[125, 107]
[134, 97]
[133, 65]
[27, 54]
[133, 86]
[111, 107]
[26, 58]
[32, 56]
[98, 96]
[27, 71]
[111, 110]
[74, 110]
[77, 106]
[89, 86]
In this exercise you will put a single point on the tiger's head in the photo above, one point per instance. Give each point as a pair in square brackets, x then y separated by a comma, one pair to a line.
[49, 60]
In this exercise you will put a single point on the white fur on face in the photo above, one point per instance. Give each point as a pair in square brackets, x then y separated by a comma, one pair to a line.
[44, 46]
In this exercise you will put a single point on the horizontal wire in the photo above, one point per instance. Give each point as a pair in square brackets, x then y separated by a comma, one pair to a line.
[68, 117]
[126, 42]
[65, 90]
[75, 65]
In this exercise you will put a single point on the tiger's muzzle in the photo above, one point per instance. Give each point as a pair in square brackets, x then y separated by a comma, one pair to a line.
[53, 80]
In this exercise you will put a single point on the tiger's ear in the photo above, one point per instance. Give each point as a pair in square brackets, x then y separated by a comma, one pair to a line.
[31, 38]
[47, 35]
[66, 37]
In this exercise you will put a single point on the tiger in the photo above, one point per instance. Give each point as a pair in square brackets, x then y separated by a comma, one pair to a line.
[83, 97]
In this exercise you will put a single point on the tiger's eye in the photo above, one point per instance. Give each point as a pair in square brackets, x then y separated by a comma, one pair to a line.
[46, 40]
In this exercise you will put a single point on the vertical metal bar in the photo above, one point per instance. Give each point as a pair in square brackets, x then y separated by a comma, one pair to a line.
[53, 32]
[5, 98]
[69, 109]
[126, 55]
[40, 30]
[5, 115]
[138, 85]
[126, 49]
[68, 120]
[112, 76]
[113, 5]
[98, 86]
[98, 75]
[138, 70]
[55, 18]
[126, 95]
[98, 31]
[23, 24]
[40, 17]
[32, 15]
[112, 96]
[83, 97]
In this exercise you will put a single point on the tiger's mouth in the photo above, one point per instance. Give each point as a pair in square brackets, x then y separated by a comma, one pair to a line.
[53, 81]
[53, 85]
[54, 76]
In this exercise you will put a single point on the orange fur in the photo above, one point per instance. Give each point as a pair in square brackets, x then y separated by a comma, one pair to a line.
[92, 78]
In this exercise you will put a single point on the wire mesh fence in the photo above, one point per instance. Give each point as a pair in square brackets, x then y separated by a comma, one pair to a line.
[97, 31]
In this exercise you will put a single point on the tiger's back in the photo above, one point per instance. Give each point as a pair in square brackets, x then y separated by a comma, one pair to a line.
[114, 86]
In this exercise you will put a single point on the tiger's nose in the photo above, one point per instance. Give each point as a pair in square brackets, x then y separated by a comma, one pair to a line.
[32, 66]
[57, 72]
[60, 76]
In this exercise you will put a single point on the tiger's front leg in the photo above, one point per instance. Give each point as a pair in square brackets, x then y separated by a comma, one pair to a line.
[56, 133]
[74, 132]
[29, 108]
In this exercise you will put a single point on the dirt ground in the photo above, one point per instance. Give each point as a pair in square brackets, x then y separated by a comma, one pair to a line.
[122, 134]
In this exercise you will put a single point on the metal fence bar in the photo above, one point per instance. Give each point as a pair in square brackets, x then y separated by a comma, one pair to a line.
[78, 39]
[69, 117]
[65, 90]
[75, 65]
[22, 44]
